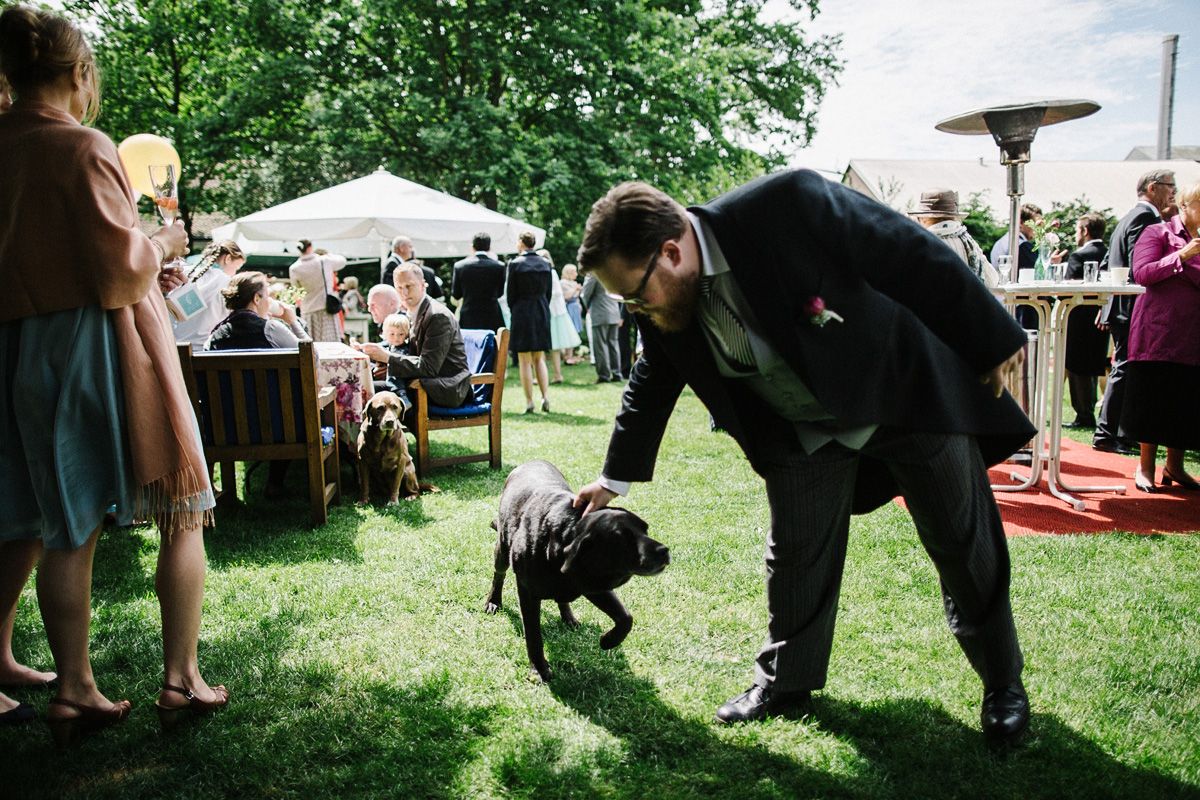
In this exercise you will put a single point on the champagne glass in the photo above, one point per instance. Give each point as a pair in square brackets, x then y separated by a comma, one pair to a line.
[166, 191]
[166, 199]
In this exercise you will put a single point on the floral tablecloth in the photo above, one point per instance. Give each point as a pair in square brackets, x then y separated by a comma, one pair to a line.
[349, 372]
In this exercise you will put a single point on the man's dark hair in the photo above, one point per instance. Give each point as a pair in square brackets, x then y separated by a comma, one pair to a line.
[1093, 225]
[1154, 176]
[1030, 212]
[528, 239]
[630, 222]
[481, 242]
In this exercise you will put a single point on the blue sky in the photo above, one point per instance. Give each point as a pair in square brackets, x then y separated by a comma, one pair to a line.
[910, 65]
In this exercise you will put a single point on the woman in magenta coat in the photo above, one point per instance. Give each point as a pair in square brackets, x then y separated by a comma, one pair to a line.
[1164, 345]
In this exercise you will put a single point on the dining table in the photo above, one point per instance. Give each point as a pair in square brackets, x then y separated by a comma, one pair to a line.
[349, 373]
[1053, 302]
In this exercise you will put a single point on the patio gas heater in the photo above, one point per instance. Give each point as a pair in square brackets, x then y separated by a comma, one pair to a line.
[1013, 127]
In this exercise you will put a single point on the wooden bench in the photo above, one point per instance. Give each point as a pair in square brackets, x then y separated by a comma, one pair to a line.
[487, 353]
[262, 405]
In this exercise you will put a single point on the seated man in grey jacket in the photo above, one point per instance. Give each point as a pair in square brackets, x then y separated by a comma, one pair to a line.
[436, 354]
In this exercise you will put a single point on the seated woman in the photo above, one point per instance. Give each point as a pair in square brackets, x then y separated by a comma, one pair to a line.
[256, 321]
[1163, 375]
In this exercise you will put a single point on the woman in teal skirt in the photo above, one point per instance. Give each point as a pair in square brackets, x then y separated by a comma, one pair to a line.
[93, 409]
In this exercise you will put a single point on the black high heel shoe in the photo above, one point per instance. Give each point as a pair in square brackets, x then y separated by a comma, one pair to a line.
[1143, 483]
[89, 720]
[170, 716]
[1185, 481]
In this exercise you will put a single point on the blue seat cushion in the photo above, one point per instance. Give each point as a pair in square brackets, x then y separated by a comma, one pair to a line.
[481, 357]
[472, 410]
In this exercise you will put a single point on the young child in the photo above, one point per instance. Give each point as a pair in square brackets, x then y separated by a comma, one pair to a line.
[395, 341]
[352, 299]
[395, 334]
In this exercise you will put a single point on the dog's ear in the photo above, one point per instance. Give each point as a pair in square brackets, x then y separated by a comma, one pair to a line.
[572, 549]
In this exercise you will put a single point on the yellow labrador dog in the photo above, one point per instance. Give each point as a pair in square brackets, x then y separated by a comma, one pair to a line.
[383, 458]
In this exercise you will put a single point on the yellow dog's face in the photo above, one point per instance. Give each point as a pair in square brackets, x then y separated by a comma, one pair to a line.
[385, 412]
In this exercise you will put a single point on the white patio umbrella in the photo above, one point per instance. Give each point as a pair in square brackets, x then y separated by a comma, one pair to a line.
[359, 218]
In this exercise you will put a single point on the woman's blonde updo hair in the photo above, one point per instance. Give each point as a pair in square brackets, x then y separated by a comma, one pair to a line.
[37, 47]
[242, 289]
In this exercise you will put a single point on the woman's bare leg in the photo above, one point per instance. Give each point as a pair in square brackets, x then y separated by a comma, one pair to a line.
[17, 560]
[543, 378]
[1175, 466]
[179, 584]
[556, 365]
[1145, 470]
[525, 365]
[64, 590]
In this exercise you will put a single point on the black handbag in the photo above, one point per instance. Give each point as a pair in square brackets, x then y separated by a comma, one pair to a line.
[333, 303]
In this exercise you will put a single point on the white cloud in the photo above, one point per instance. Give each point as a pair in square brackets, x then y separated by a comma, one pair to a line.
[909, 65]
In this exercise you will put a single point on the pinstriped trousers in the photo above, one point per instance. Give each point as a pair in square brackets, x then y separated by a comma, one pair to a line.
[943, 480]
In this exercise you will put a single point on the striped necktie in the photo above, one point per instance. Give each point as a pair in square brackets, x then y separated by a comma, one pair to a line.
[725, 327]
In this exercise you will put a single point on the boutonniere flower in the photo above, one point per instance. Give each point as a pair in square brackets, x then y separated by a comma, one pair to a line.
[818, 314]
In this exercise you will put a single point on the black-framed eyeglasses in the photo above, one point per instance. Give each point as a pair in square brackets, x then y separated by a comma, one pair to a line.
[634, 299]
[1164, 183]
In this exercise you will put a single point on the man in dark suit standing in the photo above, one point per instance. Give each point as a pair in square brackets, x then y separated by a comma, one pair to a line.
[478, 282]
[1087, 345]
[1156, 191]
[852, 356]
[436, 354]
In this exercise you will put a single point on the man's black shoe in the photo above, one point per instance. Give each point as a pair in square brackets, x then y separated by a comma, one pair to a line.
[1005, 715]
[1109, 446]
[1079, 424]
[758, 703]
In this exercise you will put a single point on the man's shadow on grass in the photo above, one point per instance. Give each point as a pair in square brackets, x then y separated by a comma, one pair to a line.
[909, 748]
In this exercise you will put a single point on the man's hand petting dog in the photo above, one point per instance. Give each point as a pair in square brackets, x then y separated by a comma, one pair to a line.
[558, 553]
[383, 457]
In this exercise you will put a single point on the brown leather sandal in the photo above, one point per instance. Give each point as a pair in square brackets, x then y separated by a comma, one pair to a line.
[170, 716]
[90, 719]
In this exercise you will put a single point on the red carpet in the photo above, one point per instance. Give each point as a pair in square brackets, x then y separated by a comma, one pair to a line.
[1036, 511]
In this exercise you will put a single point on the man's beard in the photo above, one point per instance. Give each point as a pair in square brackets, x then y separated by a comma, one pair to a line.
[679, 314]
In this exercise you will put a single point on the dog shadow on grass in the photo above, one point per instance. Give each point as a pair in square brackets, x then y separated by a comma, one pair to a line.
[907, 748]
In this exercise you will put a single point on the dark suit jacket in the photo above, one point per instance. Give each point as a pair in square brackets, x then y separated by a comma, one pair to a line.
[436, 355]
[1119, 310]
[433, 286]
[919, 329]
[1087, 346]
[389, 267]
[478, 281]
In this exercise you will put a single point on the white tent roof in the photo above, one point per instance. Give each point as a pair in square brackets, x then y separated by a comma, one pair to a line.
[359, 218]
[1105, 184]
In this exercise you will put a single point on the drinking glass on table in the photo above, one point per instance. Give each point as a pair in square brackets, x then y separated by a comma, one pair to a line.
[1091, 272]
[1004, 267]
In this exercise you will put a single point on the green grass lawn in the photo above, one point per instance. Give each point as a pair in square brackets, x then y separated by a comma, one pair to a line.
[361, 663]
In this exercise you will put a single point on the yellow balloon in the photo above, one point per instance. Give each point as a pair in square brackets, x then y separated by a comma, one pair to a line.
[139, 152]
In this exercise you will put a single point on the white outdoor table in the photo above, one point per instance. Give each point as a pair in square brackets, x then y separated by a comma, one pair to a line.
[1053, 303]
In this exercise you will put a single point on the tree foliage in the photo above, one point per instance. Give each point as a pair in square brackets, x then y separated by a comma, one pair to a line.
[531, 108]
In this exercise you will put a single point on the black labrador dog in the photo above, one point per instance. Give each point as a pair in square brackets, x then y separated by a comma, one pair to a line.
[558, 555]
